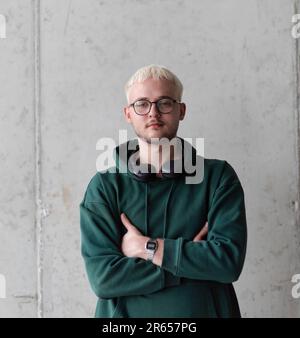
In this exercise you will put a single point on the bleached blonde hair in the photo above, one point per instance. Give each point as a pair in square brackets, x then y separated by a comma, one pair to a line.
[155, 72]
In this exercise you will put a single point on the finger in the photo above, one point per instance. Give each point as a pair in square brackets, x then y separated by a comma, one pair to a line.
[203, 232]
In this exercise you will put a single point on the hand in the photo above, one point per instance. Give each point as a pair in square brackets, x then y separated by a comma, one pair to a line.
[201, 234]
[133, 242]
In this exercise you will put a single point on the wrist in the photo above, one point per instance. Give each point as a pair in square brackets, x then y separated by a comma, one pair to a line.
[158, 256]
[150, 248]
[143, 252]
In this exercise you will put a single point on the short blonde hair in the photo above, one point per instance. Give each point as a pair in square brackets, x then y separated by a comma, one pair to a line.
[155, 72]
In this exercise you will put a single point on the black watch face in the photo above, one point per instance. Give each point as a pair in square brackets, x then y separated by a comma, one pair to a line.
[151, 245]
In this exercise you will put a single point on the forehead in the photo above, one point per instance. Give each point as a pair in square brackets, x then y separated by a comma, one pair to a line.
[152, 89]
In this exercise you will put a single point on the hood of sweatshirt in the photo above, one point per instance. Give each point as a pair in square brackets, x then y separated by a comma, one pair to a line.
[187, 155]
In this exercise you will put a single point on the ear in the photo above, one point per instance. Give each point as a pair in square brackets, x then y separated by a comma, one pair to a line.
[127, 114]
[182, 111]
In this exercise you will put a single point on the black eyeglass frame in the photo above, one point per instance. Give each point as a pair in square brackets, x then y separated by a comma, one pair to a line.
[151, 102]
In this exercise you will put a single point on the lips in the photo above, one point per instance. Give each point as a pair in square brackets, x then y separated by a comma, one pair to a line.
[155, 124]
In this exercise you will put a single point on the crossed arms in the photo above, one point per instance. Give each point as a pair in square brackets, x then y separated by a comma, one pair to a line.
[115, 264]
[133, 242]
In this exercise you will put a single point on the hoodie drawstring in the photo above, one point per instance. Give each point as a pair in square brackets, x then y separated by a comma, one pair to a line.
[166, 210]
[146, 213]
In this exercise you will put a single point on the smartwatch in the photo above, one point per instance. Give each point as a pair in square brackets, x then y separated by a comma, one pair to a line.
[151, 247]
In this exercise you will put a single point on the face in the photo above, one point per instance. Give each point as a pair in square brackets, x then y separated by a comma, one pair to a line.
[167, 124]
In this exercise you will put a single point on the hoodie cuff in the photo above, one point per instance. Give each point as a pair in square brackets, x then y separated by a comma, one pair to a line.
[171, 255]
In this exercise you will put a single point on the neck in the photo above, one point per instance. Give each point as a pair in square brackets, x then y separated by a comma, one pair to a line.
[157, 154]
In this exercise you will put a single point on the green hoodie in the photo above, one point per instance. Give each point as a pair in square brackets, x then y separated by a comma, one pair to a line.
[195, 279]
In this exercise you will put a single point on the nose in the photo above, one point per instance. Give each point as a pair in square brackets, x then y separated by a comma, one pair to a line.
[154, 111]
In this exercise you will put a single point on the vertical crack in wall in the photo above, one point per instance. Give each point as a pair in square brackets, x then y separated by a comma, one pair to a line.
[37, 122]
[297, 71]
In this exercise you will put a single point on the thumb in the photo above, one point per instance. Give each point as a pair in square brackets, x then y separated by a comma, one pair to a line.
[128, 225]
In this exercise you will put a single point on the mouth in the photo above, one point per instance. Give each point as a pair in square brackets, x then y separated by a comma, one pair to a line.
[155, 125]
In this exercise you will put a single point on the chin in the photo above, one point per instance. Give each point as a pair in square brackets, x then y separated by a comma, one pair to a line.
[159, 137]
[149, 134]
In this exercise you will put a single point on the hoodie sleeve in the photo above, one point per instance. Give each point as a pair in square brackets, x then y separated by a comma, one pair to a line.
[221, 257]
[110, 273]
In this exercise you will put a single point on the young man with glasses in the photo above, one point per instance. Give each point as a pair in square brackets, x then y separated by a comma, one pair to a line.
[153, 245]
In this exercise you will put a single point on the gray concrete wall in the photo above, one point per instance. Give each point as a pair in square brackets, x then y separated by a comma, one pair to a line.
[63, 65]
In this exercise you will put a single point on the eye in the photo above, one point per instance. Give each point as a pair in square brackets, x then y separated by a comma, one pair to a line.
[166, 103]
[141, 104]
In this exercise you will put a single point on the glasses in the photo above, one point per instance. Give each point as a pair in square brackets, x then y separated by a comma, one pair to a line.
[164, 105]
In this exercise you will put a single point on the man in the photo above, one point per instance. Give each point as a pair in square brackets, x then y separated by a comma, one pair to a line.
[153, 245]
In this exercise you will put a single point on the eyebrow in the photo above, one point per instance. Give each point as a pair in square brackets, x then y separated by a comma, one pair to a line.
[147, 98]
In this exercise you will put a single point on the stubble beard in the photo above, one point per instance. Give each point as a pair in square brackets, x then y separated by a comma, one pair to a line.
[156, 140]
